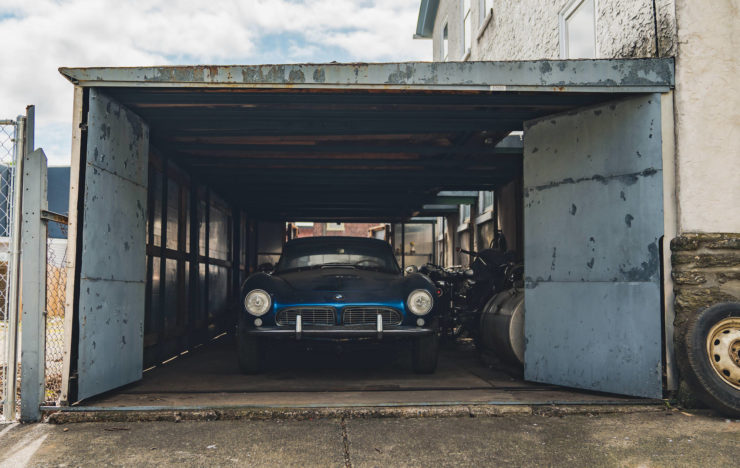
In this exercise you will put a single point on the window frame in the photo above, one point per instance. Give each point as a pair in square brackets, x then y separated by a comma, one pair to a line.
[445, 49]
[565, 14]
[467, 32]
[484, 11]
[466, 212]
[482, 206]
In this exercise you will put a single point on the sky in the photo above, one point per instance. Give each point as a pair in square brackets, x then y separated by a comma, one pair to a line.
[39, 36]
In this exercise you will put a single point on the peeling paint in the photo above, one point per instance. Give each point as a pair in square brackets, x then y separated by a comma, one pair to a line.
[627, 179]
[648, 270]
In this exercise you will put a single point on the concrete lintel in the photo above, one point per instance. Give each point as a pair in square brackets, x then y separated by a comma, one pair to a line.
[603, 75]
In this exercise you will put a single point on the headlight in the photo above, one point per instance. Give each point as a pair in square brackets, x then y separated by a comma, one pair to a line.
[420, 302]
[257, 302]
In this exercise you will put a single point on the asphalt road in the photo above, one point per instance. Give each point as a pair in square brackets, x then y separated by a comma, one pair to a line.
[670, 438]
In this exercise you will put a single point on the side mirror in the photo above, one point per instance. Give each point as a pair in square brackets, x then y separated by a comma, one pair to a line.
[266, 268]
[411, 269]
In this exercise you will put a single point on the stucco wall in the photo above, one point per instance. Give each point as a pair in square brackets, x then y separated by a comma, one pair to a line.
[529, 29]
[707, 111]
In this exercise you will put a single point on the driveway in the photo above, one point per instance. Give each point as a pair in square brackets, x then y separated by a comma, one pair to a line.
[665, 438]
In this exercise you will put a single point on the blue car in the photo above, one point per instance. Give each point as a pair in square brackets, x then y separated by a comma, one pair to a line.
[338, 288]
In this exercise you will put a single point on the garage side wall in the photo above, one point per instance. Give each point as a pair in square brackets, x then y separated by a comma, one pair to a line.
[593, 219]
[195, 261]
[112, 272]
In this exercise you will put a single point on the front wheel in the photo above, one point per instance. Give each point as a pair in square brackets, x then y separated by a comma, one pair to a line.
[248, 351]
[425, 354]
[711, 357]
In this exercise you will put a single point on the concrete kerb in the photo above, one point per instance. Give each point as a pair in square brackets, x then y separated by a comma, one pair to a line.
[66, 416]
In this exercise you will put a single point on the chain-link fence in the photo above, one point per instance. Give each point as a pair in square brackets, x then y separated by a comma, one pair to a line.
[56, 287]
[8, 139]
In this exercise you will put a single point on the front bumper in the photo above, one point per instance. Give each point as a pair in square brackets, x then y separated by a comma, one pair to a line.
[341, 332]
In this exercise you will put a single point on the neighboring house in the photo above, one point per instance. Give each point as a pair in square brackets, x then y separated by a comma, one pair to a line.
[703, 181]
[313, 229]
[532, 29]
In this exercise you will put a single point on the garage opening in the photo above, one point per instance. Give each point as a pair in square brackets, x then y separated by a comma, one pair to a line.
[190, 179]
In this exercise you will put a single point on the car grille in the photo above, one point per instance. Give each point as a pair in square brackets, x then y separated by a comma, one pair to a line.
[368, 315]
[309, 316]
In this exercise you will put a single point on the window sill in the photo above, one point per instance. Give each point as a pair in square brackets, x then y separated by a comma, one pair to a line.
[483, 217]
[464, 227]
[484, 25]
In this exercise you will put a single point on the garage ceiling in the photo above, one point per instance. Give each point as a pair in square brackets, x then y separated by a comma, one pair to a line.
[356, 141]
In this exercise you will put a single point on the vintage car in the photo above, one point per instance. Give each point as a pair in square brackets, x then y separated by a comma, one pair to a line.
[338, 288]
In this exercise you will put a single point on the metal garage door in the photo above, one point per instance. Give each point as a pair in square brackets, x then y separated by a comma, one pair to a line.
[593, 219]
[113, 270]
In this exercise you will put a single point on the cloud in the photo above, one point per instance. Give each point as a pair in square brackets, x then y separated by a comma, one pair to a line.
[47, 34]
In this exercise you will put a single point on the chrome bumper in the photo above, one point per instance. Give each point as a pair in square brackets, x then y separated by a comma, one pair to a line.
[341, 331]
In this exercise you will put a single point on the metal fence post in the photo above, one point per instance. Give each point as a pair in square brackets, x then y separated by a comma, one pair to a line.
[33, 244]
[9, 409]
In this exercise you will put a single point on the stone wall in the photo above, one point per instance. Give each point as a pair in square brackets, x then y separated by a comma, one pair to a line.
[706, 271]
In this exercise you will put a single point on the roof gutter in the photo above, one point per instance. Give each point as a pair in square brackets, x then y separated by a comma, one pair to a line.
[427, 15]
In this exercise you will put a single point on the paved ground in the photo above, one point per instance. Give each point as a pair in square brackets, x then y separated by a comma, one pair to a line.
[669, 438]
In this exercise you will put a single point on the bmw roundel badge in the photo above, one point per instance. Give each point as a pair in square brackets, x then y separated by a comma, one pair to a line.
[338, 297]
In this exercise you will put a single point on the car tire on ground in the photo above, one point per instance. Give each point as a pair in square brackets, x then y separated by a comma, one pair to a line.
[710, 361]
[248, 350]
[425, 354]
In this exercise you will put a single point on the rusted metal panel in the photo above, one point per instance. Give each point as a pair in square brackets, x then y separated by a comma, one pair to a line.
[623, 75]
[597, 336]
[113, 257]
[593, 216]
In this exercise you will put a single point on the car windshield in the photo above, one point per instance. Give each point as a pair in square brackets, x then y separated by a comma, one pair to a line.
[340, 253]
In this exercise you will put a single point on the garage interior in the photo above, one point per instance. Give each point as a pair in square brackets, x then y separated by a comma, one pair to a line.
[228, 166]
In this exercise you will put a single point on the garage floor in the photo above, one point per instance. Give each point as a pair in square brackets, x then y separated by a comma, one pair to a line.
[323, 375]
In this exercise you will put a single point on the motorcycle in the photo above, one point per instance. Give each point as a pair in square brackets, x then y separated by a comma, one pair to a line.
[465, 291]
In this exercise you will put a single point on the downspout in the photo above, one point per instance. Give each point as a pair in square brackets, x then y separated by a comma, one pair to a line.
[655, 29]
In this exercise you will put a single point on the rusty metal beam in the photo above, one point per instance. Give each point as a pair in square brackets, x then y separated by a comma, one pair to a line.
[607, 75]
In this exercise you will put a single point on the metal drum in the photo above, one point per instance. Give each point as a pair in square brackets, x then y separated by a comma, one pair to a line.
[502, 326]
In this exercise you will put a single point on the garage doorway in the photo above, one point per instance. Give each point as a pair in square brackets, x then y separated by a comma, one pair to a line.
[222, 165]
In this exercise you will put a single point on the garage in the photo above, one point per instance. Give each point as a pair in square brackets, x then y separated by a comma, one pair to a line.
[184, 179]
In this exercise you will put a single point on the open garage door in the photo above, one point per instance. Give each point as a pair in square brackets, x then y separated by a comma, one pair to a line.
[113, 257]
[368, 143]
[593, 213]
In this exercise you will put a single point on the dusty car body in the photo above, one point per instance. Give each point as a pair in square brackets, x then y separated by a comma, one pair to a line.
[338, 288]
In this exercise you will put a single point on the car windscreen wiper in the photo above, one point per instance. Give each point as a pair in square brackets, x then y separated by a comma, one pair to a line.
[337, 265]
[374, 268]
[300, 268]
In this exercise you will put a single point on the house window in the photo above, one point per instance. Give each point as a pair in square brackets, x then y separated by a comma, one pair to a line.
[335, 226]
[464, 214]
[466, 27]
[445, 44]
[578, 30]
[485, 201]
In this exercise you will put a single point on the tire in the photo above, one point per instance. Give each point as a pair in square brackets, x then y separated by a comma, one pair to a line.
[248, 351]
[425, 354]
[710, 357]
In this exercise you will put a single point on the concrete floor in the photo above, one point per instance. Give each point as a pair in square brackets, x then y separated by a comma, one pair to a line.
[324, 376]
[654, 439]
